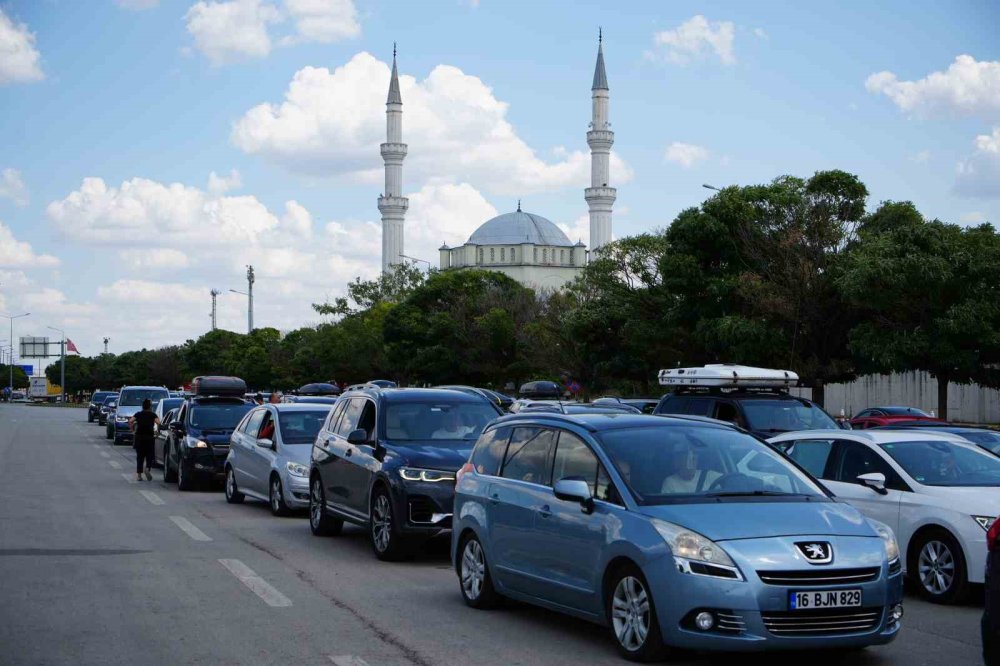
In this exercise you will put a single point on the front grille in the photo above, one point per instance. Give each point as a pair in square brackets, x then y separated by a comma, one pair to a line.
[730, 623]
[800, 578]
[421, 510]
[823, 622]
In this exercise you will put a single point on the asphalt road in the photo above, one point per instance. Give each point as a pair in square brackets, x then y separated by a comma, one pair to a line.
[98, 569]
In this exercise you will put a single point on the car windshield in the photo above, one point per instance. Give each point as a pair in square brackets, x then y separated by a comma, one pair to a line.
[110, 400]
[438, 420]
[785, 416]
[218, 416]
[170, 403]
[904, 411]
[100, 397]
[944, 463]
[301, 427]
[984, 438]
[666, 464]
[134, 397]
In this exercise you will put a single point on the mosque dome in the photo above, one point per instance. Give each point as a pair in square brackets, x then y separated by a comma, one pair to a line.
[519, 227]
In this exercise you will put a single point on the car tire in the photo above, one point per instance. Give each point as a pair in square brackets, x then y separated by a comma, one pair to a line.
[319, 522]
[90, 417]
[631, 615]
[233, 494]
[385, 538]
[937, 565]
[474, 575]
[184, 480]
[169, 475]
[108, 434]
[276, 497]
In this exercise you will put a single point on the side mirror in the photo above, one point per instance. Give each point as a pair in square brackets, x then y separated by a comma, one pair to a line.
[575, 490]
[266, 443]
[357, 437]
[875, 481]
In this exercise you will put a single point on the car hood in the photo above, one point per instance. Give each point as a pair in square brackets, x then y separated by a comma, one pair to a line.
[721, 521]
[128, 410]
[445, 455]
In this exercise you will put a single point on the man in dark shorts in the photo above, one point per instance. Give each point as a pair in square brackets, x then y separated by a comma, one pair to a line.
[143, 426]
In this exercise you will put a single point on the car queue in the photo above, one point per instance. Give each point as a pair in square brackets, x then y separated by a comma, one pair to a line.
[682, 529]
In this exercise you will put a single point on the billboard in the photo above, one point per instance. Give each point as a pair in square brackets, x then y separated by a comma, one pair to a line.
[28, 369]
[34, 347]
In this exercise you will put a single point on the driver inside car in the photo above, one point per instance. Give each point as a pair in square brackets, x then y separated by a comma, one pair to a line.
[689, 475]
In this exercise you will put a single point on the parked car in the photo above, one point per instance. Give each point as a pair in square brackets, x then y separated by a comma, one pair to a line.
[984, 438]
[386, 459]
[575, 407]
[927, 486]
[164, 406]
[541, 390]
[644, 405]
[991, 613]
[883, 416]
[160, 444]
[319, 388]
[96, 400]
[269, 455]
[130, 400]
[310, 399]
[491, 396]
[109, 405]
[647, 525]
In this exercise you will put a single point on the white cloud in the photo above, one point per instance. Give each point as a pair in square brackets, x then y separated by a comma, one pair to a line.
[297, 220]
[578, 229]
[18, 254]
[18, 56]
[967, 87]
[921, 157]
[231, 31]
[760, 33]
[323, 21]
[333, 122]
[686, 154]
[159, 258]
[219, 185]
[972, 217]
[443, 213]
[137, 5]
[979, 174]
[697, 38]
[12, 187]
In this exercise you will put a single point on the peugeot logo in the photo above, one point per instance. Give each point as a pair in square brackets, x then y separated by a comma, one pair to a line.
[816, 552]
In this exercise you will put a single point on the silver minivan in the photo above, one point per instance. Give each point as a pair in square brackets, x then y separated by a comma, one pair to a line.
[269, 455]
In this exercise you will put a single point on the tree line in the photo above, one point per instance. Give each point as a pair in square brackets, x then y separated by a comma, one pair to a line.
[797, 273]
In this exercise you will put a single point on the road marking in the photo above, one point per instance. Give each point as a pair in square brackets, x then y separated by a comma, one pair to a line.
[129, 478]
[257, 585]
[105, 454]
[153, 498]
[96, 446]
[348, 660]
[115, 464]
[188, 528]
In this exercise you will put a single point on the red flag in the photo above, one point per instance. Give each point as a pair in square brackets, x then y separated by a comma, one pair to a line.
[70, 347]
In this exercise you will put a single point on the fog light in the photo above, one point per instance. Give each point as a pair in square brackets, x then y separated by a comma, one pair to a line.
[896, 613]
[704, 621]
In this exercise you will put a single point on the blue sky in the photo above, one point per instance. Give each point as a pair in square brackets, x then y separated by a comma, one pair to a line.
[145, 99]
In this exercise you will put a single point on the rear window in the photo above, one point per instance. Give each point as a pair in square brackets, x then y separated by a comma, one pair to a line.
[135, 397]
[301, 427]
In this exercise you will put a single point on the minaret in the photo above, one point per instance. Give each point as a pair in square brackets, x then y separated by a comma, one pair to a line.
[392, 204]
[600, 197]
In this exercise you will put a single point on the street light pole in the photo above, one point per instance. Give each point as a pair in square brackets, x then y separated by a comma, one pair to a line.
[11, 366]
[250, 281]
[415, 259]
[711, 187]
[62, 362]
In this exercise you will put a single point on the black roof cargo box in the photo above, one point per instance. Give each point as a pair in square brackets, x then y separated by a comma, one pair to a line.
[218, 385]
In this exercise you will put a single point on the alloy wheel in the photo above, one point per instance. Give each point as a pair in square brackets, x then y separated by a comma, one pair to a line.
[936, 567]
[381, 523]
[316, 504]
[630, 613]
[473, 569]
[275, 496]
[230, 483]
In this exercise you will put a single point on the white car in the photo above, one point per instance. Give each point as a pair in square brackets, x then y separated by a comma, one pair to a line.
[937, 491]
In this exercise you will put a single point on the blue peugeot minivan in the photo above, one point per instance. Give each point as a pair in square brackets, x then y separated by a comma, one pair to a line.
[676, 532]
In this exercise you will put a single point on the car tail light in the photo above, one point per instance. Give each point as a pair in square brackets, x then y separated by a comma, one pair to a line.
[992, 534]
[467, 467]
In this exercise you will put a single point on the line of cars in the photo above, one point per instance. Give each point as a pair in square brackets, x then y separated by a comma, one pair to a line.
[674, 530]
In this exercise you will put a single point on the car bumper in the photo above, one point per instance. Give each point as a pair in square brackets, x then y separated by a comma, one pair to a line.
[754, 616]
[205, 462]
[122, 432]
[296, 489]
[425, 507]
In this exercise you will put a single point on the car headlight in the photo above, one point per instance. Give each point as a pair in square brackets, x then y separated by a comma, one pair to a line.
[428, 475]
[193, 443]
[984, 521]
[295, 469]
[121, 419]
[693, 547]
[888, 539]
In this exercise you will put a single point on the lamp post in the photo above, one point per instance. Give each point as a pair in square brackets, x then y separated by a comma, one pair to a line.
[62, 361]
[404, 256]
[249, 295]
[11, 366]
[711, 187]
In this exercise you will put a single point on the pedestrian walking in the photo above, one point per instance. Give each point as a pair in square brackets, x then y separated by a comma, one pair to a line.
[143, 425]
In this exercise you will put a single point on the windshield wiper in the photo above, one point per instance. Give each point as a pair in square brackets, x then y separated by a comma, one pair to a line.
[753, 493]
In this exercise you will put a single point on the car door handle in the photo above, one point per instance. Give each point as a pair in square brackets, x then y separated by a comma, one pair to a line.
[495, 498]
[545, 511]
[349, 453]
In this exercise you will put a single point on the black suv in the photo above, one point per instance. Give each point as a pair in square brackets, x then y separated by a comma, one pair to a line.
[197, 441]
[386, 458]
[96, 401]
[764, 412]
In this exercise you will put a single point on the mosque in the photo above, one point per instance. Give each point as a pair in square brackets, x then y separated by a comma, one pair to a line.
[527, 247]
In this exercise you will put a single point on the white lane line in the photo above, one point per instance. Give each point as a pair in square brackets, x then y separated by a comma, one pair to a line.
[188, 528]
[115, 464]
[152, 497]
[348, 660]
[105, 454]
[96, 446]
[257, 585]
[129, 478]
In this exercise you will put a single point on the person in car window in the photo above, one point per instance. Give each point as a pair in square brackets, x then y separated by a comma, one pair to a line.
[688, 477]
[143, 425]
[451, 427]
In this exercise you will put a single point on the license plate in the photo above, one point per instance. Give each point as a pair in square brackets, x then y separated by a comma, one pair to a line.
[814, 599]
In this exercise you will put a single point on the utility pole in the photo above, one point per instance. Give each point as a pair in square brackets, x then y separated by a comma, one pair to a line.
[106, 341]
[62, 361]
[11, 366]
[250, 281]
[215, 293]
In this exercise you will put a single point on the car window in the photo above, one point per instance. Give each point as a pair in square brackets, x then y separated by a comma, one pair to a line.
[529, 455]
[490, 450]
[986, 439]
[134, 397]
[574, 459]
[253, 424]
[300, 427]
[605, 488]
[366, 421]
[728, 411]
[338, 409]
[811, 454]
[945, 463]
[352, 414]
[222, 415]
[785, 415]
[856, 459]
[863, 412]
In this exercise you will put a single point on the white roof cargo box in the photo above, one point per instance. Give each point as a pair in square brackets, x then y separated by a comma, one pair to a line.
[728, 375]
